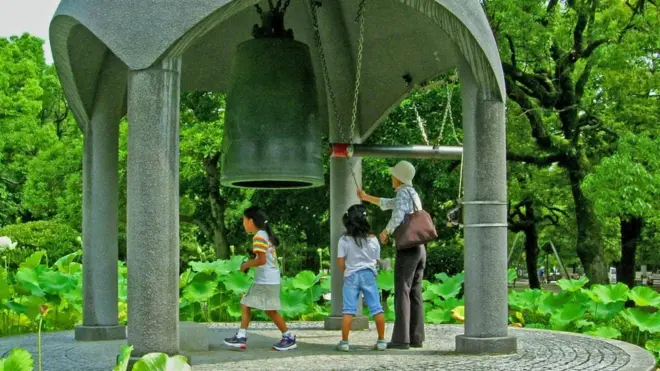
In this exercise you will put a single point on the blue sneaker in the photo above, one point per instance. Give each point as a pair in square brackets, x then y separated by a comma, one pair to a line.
[287, 343]
[236, 342]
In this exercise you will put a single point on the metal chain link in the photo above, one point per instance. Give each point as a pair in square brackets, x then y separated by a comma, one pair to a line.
[324, 65]
[446, 113]
[420, 123]
[326, 75]
[313, 4]
[418, 117]
[358, 73]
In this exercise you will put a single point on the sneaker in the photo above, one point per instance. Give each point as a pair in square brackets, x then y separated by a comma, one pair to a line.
[236, 342]
[381, 345]
[343, 346]
[287, 343]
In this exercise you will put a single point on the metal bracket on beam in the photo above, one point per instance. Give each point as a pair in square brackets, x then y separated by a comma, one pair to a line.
[385, 151]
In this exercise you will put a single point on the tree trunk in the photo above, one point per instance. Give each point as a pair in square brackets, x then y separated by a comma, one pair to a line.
[532, 257]
[631, 232]
[589, 238]
[218, 204]
[220, 245]
[532, 248]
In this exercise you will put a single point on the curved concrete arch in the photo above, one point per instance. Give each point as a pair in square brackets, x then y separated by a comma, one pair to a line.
[60, 33]
[79, 68]
[465, 22]
[173, 27]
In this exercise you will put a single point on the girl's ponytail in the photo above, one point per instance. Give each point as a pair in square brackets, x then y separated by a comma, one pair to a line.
[261, 222]
[271, 235]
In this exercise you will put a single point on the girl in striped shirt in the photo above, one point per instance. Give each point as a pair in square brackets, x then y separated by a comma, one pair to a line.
[265, 292]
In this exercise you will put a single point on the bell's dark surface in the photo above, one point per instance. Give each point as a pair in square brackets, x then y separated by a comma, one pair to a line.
[272, 135]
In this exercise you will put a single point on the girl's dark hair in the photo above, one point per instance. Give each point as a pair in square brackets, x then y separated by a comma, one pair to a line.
[261, 221]
[356, 224]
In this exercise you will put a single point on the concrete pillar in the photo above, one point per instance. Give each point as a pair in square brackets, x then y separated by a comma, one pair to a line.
[100, 201]
[153, 208]
[485, 223]
[343, 194]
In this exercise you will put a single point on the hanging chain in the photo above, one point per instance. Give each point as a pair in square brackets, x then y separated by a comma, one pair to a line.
[314, 4]
[358, 73]
[420, 123]
[418, 117]
[446, 114]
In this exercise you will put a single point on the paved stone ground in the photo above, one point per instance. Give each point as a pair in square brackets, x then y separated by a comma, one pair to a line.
[538, 350]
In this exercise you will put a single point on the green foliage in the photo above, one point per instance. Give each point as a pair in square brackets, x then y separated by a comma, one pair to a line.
[597, 311]
[18, 360]
[644, 296]
[624, 184]
[446, 258]
[124, 357]
[162, 362]
[211, 291]
[56, 239]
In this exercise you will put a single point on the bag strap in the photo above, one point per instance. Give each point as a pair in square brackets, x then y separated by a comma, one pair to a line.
[412, 199]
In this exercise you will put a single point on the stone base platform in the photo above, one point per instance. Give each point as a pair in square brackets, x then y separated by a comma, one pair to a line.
[537, 350]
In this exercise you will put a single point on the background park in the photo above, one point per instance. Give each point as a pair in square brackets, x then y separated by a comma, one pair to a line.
[583, 87]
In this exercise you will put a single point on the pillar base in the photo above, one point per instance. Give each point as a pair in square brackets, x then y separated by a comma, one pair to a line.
[100, 333]
[193, 337]
[501, 345]
[334, 323]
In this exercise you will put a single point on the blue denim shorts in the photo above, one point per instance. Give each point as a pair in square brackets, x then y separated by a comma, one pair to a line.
[363, 281]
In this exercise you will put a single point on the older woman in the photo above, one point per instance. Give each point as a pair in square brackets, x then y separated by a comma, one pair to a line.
[410, 263]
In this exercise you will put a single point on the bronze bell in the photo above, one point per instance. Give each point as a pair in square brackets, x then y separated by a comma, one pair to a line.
[272, 135]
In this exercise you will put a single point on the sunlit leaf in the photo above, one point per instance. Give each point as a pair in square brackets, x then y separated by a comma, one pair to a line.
[605, 312]
[63, 264]
[572, 285]
[642, 319]
[437, 316]
[162, 362]
[644, 297]
[293, 302]
[611, 293]
[653, 345]
[606, 332]
[200, 288]
[33, 260]
[511, 275]
[29, 279]
[124, 357]
[237, 282]
[304, 280]
[56, 282]
[19, 359]
[548, 302]
[525, 300]
[5, 291]
[385, 280]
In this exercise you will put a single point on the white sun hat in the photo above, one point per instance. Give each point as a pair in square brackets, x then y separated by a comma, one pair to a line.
[404, 171]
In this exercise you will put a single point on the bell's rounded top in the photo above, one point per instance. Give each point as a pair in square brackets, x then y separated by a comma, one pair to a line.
[404, 171]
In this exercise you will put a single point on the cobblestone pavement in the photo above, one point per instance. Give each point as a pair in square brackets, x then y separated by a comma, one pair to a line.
[538, 350]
